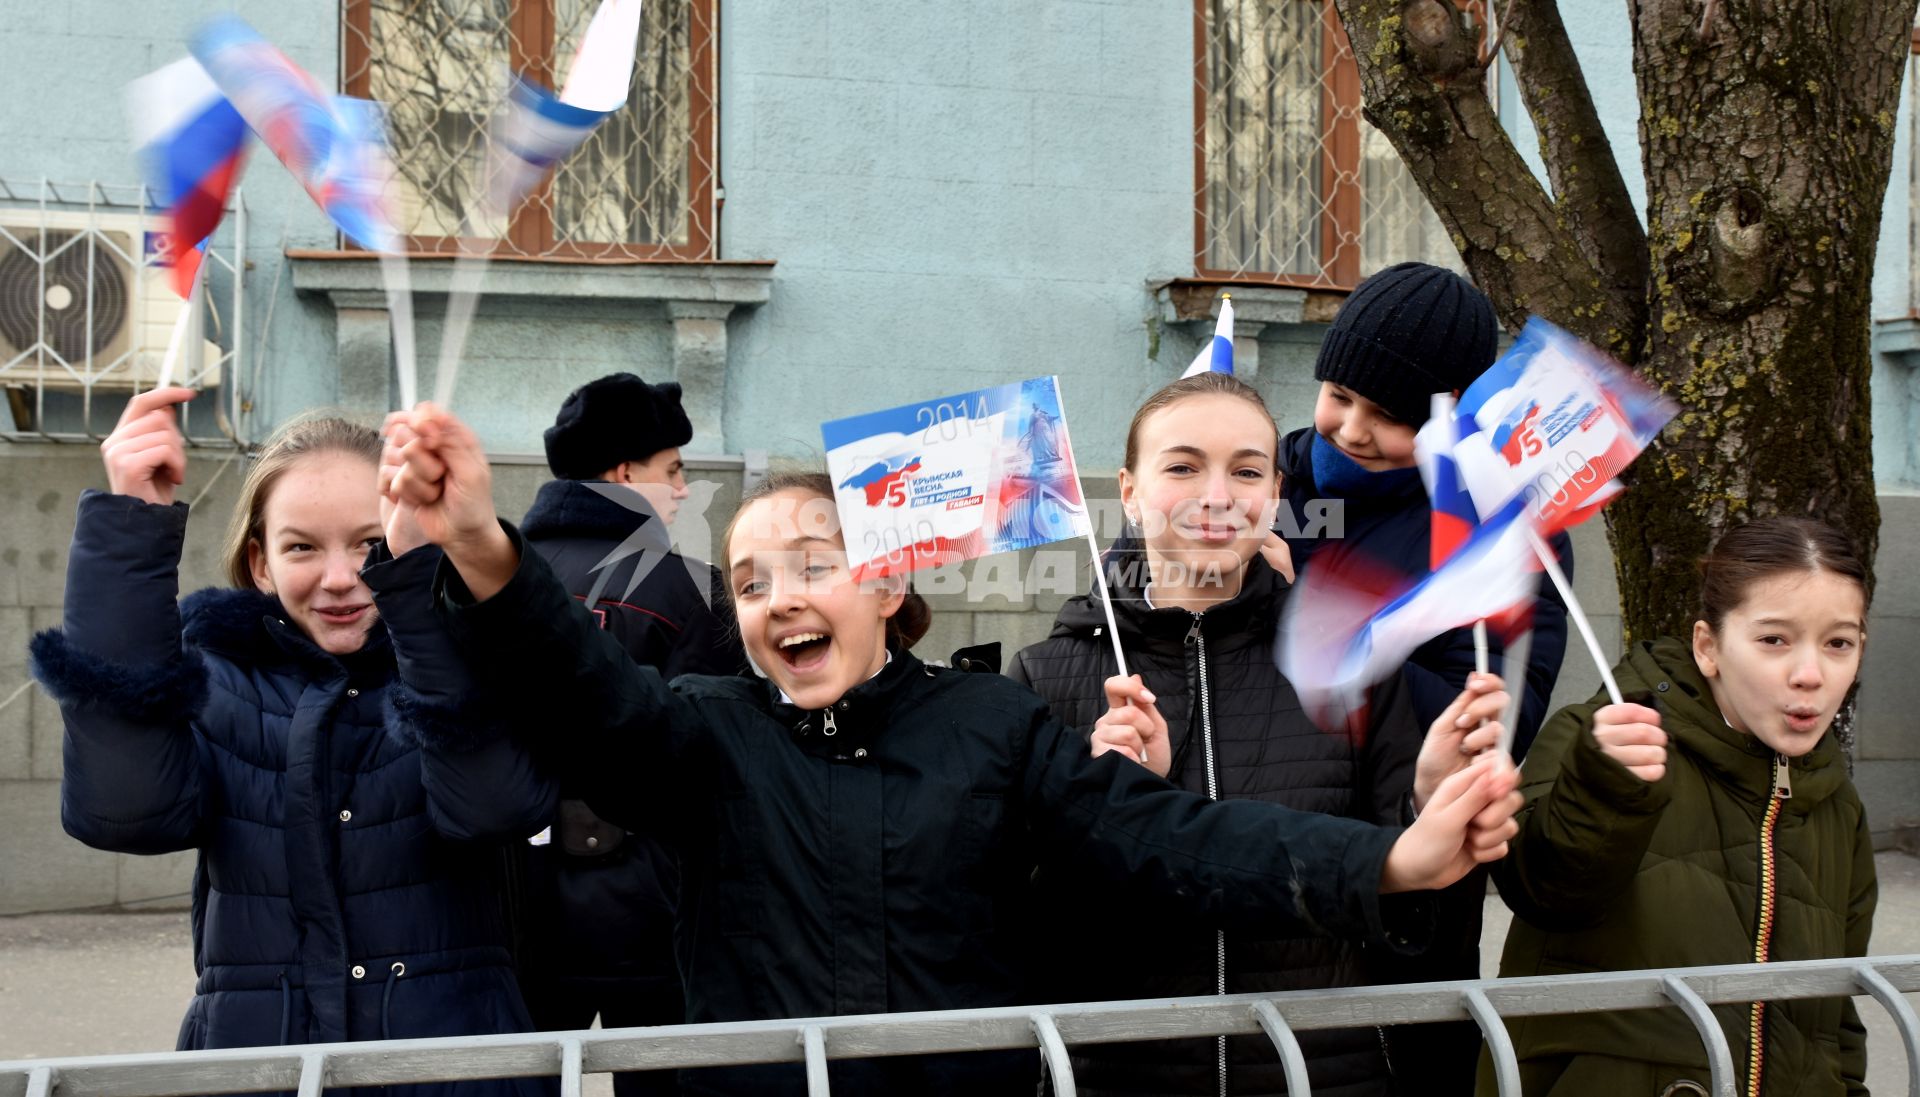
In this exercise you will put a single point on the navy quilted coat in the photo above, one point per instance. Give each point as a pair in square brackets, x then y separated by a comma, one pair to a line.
[329, 903]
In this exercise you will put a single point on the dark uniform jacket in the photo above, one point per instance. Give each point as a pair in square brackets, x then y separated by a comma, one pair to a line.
[598, 909]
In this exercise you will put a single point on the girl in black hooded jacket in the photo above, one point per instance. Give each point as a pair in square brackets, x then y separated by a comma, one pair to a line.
[857, 831]
[1198, 589]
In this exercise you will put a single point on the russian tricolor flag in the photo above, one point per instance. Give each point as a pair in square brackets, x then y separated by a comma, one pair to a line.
[1342, 633]
[1217, 355]
[334, 146]
[191, 145]
[536, 131]
[538, 128]
[1454, 516]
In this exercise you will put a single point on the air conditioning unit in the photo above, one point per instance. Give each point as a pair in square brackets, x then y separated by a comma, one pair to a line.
[83, 304]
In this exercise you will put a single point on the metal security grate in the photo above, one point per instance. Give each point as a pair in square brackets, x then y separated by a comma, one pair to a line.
[1292, 184]
[641, 187]
[86, 314]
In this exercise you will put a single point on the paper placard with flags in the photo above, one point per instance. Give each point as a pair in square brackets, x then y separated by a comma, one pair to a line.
[956, 477]
[1560, 421]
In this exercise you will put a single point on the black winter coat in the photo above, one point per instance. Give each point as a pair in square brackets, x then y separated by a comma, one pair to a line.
[332, 899]
[886, 866]
[1396, 531]
[600, 916]
[1237, 732]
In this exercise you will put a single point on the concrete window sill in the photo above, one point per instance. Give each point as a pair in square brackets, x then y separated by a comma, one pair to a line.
[698, 298]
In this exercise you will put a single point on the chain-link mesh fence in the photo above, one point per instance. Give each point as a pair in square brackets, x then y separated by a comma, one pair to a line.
[640, 187]
[1294, 185]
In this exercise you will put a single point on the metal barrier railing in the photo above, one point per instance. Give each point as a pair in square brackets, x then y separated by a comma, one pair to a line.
[1051, 1029]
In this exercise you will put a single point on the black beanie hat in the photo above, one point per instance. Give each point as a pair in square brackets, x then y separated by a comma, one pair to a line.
[614, 419]
[1406, 333]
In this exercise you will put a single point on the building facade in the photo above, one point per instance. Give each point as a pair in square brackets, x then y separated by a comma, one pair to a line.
[810, 208]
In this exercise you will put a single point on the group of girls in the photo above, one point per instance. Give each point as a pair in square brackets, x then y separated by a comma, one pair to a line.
[394, 684]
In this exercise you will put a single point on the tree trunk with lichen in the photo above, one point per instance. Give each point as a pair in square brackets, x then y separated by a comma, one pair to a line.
[1766, 138]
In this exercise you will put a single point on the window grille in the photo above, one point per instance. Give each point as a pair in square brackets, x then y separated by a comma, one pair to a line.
[1293, 185]
[642, 187]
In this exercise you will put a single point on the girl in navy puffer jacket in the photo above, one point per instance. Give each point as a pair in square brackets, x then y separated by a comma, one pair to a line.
[274, 727]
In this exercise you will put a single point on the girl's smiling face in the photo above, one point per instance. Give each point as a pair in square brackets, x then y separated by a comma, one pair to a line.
[1203, 490]
[320, 521]
[805, 621]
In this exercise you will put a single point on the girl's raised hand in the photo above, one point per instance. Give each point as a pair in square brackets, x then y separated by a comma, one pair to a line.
[1459, 735]
[1468, 822]
[441, 473]
[145, 455]
[400, 520]
[1133, 725]
[1632, 736]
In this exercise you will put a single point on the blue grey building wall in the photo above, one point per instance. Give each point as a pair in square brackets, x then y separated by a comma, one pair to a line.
[954, 195]
[957, 195]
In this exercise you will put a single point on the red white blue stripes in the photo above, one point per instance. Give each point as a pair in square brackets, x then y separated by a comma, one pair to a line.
[191, 144]
[1217, 355]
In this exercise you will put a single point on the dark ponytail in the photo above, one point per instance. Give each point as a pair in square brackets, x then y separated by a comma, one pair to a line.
[905, 628]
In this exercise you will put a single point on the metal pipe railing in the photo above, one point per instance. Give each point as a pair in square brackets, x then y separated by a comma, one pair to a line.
[1051, 1029]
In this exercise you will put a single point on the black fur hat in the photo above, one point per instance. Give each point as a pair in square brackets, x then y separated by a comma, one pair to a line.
[614, 419]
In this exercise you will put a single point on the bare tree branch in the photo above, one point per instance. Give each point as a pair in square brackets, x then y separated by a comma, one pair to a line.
[1581, 167]
[1418, 69]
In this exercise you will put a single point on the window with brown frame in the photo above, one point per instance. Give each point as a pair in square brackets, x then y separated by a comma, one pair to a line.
[1291, 184]
[642, 187]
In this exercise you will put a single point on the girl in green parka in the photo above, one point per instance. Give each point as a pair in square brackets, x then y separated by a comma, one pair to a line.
[1712, 824]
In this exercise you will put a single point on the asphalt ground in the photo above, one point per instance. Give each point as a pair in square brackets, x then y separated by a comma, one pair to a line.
[99, 984]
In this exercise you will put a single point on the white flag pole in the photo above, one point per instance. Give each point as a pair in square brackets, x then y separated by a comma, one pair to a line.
[463, 295]
[1513, 668]
[1100, 580]
[184, 322]
[393, 273]
[1574, 611]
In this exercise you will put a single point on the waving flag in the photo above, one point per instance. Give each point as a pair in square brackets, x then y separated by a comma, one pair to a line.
[1217, 355]
[1454, 516]
[191, 144]
[1344, 632]
[332, 145]
[538, 129]
[1555, 419]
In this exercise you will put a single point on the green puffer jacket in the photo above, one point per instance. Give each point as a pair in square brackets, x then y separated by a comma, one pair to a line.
[1610, 873]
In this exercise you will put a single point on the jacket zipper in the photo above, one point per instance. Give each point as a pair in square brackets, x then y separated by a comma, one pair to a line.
[1763, 922]
[1199, 642]
[828, 728]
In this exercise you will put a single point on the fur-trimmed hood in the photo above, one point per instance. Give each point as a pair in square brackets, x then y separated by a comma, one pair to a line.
[249, 628]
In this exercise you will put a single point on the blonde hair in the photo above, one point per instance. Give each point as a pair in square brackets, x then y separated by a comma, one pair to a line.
[300, 438]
